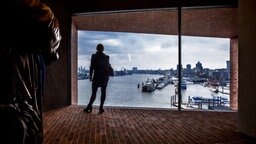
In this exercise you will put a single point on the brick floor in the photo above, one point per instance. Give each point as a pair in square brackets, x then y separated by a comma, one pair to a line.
[70, 125]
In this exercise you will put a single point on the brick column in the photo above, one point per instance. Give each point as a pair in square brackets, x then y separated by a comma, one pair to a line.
[74, 55]
[234, 73]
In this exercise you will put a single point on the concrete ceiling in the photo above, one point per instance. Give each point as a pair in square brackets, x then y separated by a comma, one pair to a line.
[209, 22]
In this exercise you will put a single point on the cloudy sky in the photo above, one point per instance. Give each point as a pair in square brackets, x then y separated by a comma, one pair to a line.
[151, 51]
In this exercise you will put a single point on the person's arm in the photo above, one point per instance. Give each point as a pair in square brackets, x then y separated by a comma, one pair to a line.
[92, 66]
[108, 59]
[110, 70]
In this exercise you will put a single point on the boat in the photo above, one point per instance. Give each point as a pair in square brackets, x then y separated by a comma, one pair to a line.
[221, 99]
[215, 99]
[149, 85]
[162, 82]
[162, 85]
[82, 76]
[195, 99]
[183, 84]
[214, 89]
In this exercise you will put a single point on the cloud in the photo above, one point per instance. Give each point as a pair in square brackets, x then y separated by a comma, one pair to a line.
[152, 51]
[173, 43]
[112, 42]
[211, 52]
[129, 57]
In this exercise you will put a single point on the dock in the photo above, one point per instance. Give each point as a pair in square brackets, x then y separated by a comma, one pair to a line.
[196, 102]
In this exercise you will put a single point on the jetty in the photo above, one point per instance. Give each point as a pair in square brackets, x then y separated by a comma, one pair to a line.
[198, 102]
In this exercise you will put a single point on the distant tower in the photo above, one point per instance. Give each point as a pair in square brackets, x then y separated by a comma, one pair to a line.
[188, 67]
[228, 66]
[134, 69]
[199, 67]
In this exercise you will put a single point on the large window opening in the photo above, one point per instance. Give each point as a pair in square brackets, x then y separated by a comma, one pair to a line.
[143, 64]
[149, 50]
[206, 60]
[139, 58]
[205, 73]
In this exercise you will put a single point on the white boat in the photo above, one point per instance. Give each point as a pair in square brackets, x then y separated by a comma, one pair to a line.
[162, 85]
[162, 82]
[183, 84]
[214, 89]
[149, 86]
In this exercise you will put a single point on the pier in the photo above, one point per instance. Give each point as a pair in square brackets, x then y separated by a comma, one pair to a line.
[197, 102]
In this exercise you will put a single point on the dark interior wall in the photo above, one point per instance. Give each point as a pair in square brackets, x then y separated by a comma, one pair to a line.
[57, 85]
[247, 67]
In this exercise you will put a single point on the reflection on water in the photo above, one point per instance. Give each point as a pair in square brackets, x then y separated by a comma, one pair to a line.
[122, 91]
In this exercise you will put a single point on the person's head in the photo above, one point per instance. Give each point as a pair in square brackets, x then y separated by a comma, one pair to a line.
[100, 48]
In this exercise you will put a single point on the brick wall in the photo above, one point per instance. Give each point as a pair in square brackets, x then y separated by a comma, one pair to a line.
[74, 55]
[57, 84]
[234, 73]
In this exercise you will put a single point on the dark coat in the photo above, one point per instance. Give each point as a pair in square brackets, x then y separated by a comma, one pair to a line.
[31, 39]
[99, 69]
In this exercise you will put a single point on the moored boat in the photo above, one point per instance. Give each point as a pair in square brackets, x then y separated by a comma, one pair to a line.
[183, 84]
[214, 89]
[162, 85]
[149, 86]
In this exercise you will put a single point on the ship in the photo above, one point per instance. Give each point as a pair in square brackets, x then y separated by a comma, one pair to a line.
[183, 84]
[149, 85]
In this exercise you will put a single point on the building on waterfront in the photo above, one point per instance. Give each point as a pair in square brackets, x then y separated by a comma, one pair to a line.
[134, 70]
[188, 72]
[228, 66]
[188, 67]
[228, 69]
[215, 74]
[199, 67]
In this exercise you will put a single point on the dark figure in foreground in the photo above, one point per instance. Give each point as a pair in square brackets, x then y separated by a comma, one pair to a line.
[30, 38]
[99, 75]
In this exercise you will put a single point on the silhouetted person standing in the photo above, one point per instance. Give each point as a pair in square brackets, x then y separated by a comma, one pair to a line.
[29, 40]
[99, 77]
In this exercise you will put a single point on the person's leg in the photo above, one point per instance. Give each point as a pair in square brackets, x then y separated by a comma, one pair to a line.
[103, 97]
[92, 99]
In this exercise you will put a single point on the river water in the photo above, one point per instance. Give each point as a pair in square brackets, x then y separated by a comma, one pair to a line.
[122, 91]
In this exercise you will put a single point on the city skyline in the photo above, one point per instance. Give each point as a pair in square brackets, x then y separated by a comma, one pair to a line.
[183, 67]
[152, 51]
